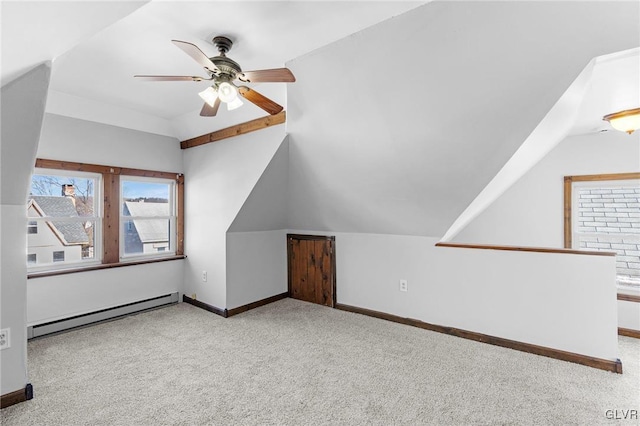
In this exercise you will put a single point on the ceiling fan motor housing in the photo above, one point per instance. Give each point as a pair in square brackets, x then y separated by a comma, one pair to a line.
[223, 44]
[228, 67]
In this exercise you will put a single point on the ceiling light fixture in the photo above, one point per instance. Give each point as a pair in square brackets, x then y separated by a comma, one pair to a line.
[209, 95]
[234, 104]
[625, 121]
[227, 92]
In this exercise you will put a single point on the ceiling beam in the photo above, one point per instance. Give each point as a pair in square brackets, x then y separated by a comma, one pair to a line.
[237, 130]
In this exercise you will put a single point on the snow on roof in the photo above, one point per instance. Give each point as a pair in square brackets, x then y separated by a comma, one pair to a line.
[149, 230]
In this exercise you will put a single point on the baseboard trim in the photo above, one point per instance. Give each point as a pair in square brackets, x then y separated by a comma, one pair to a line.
[602, 364]
[629, 332]
[218, 311]
[100, 316]
[247, 307]
[16, 397]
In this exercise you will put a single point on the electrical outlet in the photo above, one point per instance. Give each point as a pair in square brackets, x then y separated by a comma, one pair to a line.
[204, 276]
[404, 286]
[5, 338]
[193, 296]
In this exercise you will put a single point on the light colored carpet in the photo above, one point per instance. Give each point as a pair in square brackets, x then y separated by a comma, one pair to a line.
[297, 363]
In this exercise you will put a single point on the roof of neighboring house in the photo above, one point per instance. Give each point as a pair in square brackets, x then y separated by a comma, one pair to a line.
[52, 206]
[149, 230]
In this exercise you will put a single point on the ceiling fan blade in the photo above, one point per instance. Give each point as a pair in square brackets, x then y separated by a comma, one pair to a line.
[276, 75]
[210, 111]
[171, 77]
[197, 54]
[260, 100]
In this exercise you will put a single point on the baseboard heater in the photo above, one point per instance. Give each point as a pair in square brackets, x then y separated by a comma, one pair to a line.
[100, 316]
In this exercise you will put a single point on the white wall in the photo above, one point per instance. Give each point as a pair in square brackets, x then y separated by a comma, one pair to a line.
[218, 179]
[629, 315]
[23, 103]
[63, 296]
[256, 266]
[531, 212]
[71, 139]
[560, 301]
[256, 240]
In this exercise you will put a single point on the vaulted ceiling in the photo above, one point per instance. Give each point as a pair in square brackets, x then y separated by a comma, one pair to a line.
[97, 47]
[430, 105]
[402, 111]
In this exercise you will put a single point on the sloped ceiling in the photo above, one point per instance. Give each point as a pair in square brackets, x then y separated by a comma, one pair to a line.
[38, 31]
[422, 110]
[101, 66]
[395, 127]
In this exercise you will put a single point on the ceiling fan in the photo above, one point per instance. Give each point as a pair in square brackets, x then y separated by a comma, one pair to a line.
[223, 72]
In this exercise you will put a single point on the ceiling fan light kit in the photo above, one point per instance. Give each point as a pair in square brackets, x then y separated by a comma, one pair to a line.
[223, 71]
[227, 92]
[626, 121]
[209, 95]
[234, 104]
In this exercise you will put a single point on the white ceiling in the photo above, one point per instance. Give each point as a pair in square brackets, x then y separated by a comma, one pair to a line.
[101, 65]
[35, 32]
[98, 46]
[377, 109]
[614, 86]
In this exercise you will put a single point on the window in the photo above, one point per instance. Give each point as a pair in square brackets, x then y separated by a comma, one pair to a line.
[58, 256]
[84, 215]
[64, 219]
[148, 217]
[32, 227]
[603, 214]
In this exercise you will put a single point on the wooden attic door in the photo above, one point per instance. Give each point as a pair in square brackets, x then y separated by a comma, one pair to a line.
[311, 264]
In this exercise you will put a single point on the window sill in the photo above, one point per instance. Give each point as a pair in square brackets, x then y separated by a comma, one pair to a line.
[102, 266]
[627, 296]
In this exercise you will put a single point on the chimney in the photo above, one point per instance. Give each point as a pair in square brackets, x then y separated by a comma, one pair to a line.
[69, 191]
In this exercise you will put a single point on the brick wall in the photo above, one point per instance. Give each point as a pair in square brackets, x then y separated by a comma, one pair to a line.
[609, 220]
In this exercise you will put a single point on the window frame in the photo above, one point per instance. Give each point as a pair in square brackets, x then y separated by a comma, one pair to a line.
[570, 213]
[172, 218]
[109, 214]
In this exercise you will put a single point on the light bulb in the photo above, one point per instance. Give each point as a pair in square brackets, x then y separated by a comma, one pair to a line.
[209, 95]
[236, 103]
[227, 92]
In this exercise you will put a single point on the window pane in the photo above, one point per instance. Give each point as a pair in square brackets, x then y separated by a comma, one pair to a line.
[148, 216]
[32, 227]
[62, 227]
[146, 236]
[609, 220]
